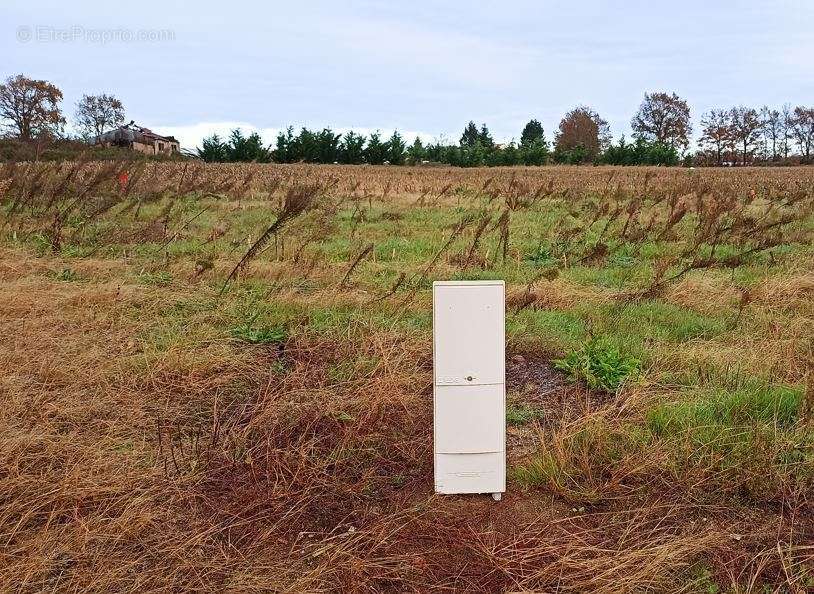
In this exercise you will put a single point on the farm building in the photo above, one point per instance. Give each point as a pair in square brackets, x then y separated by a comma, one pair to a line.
[139, 139]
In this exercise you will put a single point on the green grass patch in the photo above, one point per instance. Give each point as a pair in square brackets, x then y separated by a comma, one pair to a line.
[522, 414]
[259, 334]
[256, 326]
[542, 470]
[555, 329]
[745, 442]
[749, 405]
[661, 321]
[609, 277]
[343, 319]
[160, 278]
[582, 468]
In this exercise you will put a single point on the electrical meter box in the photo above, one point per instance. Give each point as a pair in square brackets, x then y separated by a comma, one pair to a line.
[469, 388]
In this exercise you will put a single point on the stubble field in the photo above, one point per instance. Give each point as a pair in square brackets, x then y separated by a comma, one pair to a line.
[219, 378]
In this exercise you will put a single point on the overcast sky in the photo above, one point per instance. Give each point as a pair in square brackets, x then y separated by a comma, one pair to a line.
[422, 67]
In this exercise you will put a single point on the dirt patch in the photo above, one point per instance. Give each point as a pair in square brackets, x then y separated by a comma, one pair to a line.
[532, 373]
[543, 399]
[533, 380]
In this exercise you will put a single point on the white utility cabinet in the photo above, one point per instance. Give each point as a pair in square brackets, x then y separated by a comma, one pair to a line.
[469, 391]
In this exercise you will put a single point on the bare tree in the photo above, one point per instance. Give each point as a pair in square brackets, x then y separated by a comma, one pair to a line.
[30, 107]
[746, 128]
[716, 134]
[97, 113]
[803, 130]
[787, 124]
[663, 118]
[583, 127]
[772, 128]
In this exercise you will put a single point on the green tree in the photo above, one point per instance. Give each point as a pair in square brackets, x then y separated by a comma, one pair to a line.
[494, 157]
[416, 153]
[352, 148]
[452, 155]
[376, 150]
[534, 152]
[436, 152]
[212, 149]
[512, 155]
[532, 133]
[642, 152]
[243, 149]
[470, 135]
[485, 138]
[236, 147]
[306, 146]
[574, 155]
[395, 149]
[327, 146]
[285, 151]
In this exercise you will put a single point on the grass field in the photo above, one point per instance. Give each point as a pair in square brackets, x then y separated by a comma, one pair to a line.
[218, 378]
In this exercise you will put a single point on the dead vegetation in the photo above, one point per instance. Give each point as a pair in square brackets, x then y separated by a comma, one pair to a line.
[218, 378]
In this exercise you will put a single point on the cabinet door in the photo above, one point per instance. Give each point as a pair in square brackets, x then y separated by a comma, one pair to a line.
[470, 419]
[470, 473]
[468, 333]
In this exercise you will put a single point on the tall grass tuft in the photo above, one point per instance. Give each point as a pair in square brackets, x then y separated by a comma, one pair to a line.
[297, 200]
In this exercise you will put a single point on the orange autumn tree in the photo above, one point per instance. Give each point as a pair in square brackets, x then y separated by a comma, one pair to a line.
[30, 107]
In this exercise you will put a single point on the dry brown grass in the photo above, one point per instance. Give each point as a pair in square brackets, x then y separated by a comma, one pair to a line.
[144, 447]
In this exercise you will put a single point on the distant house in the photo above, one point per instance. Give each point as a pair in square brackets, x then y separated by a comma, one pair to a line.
[139, 139]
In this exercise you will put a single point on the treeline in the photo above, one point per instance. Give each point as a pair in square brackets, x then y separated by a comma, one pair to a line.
[746, 135]
[326, 146]
[662, 131]
[475, 148]
[31, 114]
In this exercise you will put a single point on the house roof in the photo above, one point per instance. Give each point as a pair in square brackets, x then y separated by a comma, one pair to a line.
[133, 133]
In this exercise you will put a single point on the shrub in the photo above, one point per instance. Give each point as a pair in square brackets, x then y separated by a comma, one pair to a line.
[599, 364]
